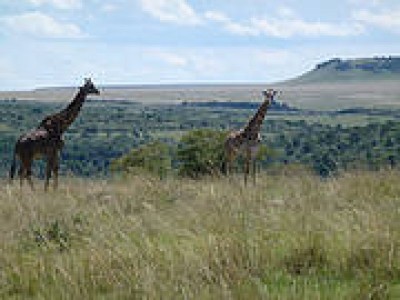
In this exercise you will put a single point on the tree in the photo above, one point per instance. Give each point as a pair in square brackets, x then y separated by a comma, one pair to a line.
[200, 152]
[153, 158]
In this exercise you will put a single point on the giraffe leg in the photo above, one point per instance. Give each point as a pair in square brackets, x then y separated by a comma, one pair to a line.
[48, 172]
[246, 165]
[254, 167]
[55, 168]
[228, 166]
[21, 174]
[25, 171]
[246, 170]
[28, 172]
[228, 162]
[29, 178]
[22, 170]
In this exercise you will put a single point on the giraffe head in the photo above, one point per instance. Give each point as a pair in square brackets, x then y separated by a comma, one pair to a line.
[89, 87]
[269, 95]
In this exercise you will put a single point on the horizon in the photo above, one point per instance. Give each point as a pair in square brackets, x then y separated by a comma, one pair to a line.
[181, 84]
[150, 85]
[56, 43]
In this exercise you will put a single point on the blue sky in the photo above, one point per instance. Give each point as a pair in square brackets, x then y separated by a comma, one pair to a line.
[58, 42]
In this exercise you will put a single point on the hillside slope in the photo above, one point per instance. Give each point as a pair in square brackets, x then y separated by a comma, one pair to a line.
[361, 69]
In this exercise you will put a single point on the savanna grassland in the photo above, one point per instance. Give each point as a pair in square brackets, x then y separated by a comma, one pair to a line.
[292, 235]
[142, 211]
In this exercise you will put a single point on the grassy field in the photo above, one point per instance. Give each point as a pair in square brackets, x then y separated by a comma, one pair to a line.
[291, 236]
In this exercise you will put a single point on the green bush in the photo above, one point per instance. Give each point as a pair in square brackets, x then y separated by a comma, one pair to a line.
[153, 158]
[200, 152]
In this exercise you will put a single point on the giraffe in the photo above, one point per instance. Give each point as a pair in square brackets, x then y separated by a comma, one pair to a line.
[246, 141]
[46, 140]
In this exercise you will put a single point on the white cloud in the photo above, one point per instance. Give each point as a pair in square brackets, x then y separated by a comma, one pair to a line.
[286, 25]
[217, 16]
[229, 25]
[41, 25]
[220, 63]
[60, 4]
[192, 61]
[174, 11]
[385, 19]
[286, 28]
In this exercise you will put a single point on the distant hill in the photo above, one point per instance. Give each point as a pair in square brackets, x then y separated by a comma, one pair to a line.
[361, 69]
[331, 85]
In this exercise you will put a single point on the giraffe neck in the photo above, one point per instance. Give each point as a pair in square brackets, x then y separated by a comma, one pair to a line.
[254, 124]
[69, 114]
[58, 123]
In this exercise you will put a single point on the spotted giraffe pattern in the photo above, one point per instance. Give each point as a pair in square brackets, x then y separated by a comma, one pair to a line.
[246, 141]
[46, 140]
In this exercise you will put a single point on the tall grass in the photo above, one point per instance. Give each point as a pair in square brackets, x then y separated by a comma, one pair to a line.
[290, 236]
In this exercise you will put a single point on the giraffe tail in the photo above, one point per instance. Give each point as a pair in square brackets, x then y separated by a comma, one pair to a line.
[13, 165]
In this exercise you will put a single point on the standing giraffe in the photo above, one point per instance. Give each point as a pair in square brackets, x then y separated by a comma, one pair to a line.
[46, 140]
[247, 140]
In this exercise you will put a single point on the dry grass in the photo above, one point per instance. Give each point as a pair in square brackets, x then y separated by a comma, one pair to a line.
[317, 96]
[292, 236]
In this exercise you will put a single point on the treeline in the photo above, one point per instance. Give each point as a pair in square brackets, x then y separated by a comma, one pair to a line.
[328, 149]
[126, 135]
[275, 105]
[325, 149]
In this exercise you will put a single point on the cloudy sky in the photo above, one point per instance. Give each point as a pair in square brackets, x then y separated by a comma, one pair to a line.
[58, 42]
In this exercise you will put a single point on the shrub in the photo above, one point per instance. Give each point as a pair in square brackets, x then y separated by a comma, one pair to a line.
[153, 158]
[200, 152]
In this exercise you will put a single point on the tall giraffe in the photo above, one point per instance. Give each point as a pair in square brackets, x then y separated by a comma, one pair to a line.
[247, 140]
[46, 140]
